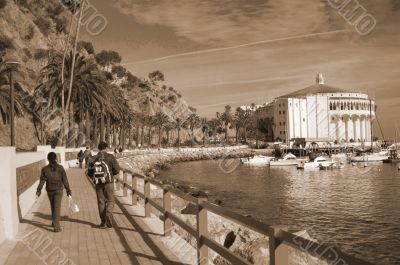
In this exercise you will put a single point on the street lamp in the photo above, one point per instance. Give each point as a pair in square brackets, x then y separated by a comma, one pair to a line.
[12, 64]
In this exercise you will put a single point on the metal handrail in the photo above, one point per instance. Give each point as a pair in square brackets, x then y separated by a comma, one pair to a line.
[279, 239]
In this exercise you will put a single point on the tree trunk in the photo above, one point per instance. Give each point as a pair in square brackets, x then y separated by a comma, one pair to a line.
[102, 138]
[159, 137]
[142, 136]
[245, 134]
[168, 138]
[226, 133]
[179, 137]
[137, 135]
[130, 137]
[114, 135]
[95, 130]
[88, 140]
[192, 136]
[150, 137]
[108, 130]
[81, 135]
[237, 134]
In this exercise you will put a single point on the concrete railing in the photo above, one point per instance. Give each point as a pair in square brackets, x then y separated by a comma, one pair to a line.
[19, 174]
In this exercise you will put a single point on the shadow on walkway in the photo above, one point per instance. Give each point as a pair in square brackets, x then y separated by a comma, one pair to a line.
[145, 236]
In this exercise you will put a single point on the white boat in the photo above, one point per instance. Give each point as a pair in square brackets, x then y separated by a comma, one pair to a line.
[320, 162]
[256, 160]
[375, 157]
[288, 160]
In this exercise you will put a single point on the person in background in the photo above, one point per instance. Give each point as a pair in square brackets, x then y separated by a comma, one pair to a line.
[120, 149]
[80, 158]
[102, 171]
[56, 179]
[87, 154]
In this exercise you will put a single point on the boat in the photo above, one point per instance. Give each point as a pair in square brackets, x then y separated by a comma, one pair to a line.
[287, 160]
[374, 157]
[256, 160]
[319, 162]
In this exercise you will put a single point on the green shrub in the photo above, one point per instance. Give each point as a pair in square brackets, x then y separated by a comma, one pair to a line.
[30, 32]
[43, 25]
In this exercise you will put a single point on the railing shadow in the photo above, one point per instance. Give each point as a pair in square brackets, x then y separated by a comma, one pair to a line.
[145, 236]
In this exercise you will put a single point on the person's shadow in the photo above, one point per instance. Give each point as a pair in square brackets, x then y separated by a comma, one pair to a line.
[64, 218]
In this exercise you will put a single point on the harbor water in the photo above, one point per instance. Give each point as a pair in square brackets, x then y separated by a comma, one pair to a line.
[356, 208]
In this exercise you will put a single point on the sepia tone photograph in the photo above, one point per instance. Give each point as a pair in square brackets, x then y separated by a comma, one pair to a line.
[199, 132]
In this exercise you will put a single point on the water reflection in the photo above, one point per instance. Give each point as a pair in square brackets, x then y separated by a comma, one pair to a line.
[356, 208]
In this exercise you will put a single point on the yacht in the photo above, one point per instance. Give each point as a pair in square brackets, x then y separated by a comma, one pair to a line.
[374, 157]
[287, 160]
[319, 162]
[257, 160]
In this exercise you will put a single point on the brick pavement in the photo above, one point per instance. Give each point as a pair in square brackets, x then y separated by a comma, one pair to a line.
[81, 241]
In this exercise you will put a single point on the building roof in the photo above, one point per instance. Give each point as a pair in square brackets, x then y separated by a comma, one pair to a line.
[318, 88]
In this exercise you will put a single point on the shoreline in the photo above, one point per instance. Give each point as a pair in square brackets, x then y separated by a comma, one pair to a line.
[242, 241]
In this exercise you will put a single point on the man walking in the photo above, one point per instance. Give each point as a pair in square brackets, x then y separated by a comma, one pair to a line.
[56, 179]
[87, 154]
[102, 171]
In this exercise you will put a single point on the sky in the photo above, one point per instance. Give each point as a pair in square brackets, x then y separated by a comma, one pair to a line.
[219, 52]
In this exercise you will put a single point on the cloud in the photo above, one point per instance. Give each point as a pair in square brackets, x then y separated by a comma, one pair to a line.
[213, 22]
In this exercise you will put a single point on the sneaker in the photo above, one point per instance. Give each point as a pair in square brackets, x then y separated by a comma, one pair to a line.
[109, 222]
[103, 225]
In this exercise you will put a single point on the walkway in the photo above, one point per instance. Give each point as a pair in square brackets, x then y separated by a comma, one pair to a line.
[81, 241]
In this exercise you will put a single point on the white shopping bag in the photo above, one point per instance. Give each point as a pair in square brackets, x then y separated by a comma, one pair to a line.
[73, 207]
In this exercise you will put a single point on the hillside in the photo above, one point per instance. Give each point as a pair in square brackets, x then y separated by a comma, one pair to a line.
[30, 32]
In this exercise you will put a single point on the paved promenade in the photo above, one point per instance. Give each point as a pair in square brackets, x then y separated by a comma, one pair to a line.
[81, 241]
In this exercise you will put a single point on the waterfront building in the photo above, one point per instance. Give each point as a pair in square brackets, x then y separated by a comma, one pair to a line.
[320, 113]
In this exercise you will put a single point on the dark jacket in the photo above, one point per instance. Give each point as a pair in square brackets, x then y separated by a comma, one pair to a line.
[55, 178]
[109, 159]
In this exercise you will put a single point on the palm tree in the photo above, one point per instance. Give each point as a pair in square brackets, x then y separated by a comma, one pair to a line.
[178, 126]
[192, 122]
[160, 120]
[204, 129]
[254, 109]
[90, 88]
[226, 119]
[168, 128]
[5, 100]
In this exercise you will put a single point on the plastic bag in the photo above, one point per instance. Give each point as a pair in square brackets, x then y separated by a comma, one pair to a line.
[73, 207]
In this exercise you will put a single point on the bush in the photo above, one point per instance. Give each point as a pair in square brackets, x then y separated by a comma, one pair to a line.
[3, 3]
[40, 54]
[61, 25]
[87, 45]
[23, 3]
[27, 53]
[30, 32]
[5, 43]
[43, 25]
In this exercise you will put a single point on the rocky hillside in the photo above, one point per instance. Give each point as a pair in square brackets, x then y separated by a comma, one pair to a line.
[30, 31]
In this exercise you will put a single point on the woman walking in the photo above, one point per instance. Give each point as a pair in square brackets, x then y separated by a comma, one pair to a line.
[56, 179]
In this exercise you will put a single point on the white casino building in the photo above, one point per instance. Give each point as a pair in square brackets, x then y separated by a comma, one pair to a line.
[321, 113]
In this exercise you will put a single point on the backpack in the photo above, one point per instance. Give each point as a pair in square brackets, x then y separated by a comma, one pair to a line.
[100, 171]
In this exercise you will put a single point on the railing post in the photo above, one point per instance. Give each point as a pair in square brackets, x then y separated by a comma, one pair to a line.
[279, 253]
[147, 205]
[119, 178]
[167, 208]
[125, 188]
[134, 186]
[202, 229]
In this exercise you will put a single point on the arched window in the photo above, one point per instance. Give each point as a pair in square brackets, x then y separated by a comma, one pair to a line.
[341, 106]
